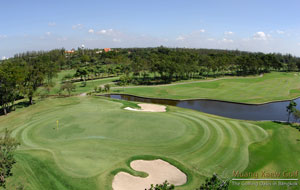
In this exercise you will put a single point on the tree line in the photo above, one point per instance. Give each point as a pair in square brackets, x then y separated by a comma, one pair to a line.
[164, 65]
[23, 74]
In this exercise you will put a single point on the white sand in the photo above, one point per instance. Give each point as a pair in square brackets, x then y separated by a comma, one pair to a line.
[158, 171]
[148, 108]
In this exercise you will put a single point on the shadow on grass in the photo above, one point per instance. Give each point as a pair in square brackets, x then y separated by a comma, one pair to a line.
[18, 105]
[293, 125]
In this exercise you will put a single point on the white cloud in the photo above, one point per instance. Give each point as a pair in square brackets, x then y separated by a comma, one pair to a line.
[3, 36]
[261, 36]
[280, 32]
[202, 30]
[227, 40]
[77, 26]
[91, 31]
[299, 44]
[3, 58]
[106, 32]
[180, 38]
[48, 33]
[211, 39]
[228, 33]
[51, 24]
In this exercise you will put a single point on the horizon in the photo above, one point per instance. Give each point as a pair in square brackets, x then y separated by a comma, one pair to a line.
[254, 26]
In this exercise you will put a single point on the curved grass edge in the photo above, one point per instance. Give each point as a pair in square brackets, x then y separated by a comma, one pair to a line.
[193, 99]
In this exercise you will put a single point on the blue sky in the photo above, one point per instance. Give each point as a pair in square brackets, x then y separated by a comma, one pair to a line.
[252, 25]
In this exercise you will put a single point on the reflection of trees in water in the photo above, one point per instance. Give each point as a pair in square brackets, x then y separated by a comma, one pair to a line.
[275, 111]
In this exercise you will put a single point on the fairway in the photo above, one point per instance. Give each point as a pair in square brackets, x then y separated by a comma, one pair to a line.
[96, 138]
[270, 87]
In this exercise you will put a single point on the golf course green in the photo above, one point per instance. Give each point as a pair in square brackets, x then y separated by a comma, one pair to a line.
[96, 138]
[273, 86]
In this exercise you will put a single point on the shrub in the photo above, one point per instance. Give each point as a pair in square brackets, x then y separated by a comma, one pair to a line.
[214, 183]
[164, 186]
[107, 88]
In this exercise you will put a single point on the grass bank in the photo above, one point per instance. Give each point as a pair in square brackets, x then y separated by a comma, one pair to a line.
[270, 87]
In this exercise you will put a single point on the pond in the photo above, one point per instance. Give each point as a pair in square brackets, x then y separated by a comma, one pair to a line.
[274, 111]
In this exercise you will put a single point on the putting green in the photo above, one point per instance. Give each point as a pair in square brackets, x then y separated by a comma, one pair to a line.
[96, 138]
[270, 87]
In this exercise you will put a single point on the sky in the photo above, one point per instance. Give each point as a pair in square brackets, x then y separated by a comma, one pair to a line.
[250, 25]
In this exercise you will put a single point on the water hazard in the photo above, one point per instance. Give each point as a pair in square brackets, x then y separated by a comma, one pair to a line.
[275, 111]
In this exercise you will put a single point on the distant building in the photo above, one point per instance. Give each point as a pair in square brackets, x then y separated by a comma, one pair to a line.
[97, 52]
[107, 49]
[70, 51]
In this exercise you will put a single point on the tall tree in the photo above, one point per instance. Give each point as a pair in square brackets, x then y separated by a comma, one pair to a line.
[291, 108]
[35, 75]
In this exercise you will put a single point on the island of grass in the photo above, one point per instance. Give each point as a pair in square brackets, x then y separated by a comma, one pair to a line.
[275, 86]
[96, 139]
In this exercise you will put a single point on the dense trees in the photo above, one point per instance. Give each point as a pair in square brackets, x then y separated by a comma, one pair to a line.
[22, 75]
[164, 65]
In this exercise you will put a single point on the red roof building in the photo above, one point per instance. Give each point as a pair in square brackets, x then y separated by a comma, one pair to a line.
[107, 49]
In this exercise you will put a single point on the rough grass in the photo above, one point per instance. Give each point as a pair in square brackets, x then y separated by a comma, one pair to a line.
[271, 87]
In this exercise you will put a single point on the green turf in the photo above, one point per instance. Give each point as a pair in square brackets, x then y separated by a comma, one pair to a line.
[89, 87]
[279, 153]
[97, 138]
[271, 87]
[92, 83]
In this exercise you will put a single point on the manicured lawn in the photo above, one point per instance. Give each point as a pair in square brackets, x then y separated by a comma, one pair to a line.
[96, 138]
[279, 153]
[271, 87]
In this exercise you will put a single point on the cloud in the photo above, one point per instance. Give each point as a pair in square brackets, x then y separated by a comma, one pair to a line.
[48, 33]
[227, 40]
[228, 33]
[211, 39]
[3, 36]
[261, 36]
[180, 38]
[299, 44]
[106, 32]
[51, 24]
[202, 30]
[77, 27]
[3, 58]
[91, 31]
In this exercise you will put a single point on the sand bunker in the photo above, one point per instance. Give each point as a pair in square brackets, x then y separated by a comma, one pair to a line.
[158, 171]
[148, 108]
